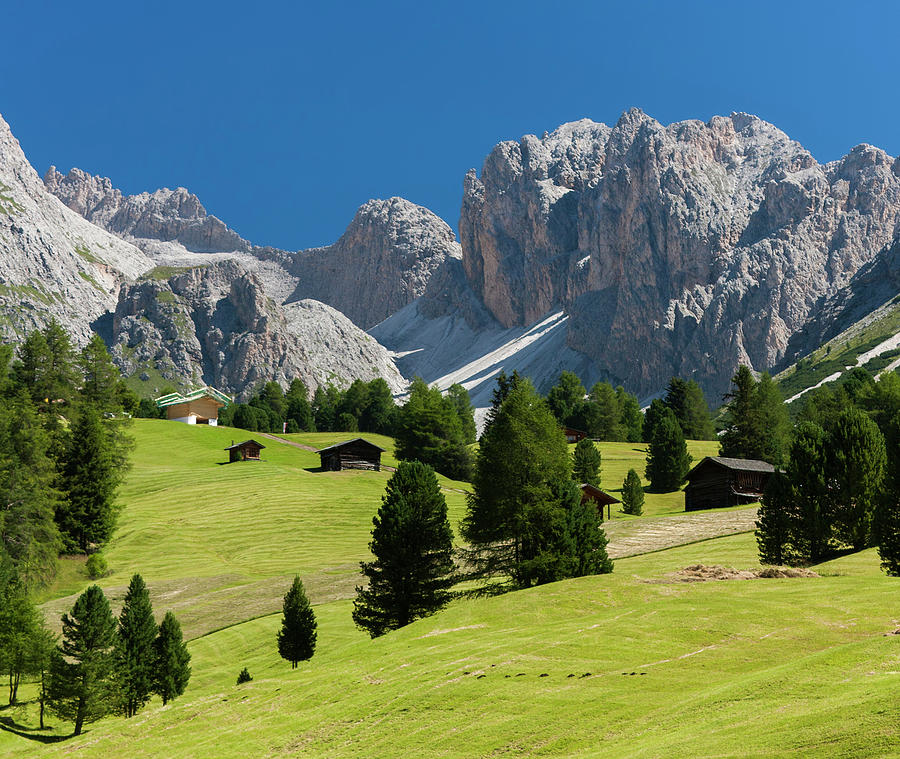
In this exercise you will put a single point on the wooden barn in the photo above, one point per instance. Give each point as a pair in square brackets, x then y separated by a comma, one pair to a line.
[573, 435]
[599, 497]
[245, 451]
[197, 407]
[717, 481]
[351, 454]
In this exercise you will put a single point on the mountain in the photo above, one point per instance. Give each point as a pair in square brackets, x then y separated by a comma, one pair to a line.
[670, 250]
[53, 263]
[216, 325]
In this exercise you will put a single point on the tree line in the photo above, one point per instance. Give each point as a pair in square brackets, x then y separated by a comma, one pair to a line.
[64, 450]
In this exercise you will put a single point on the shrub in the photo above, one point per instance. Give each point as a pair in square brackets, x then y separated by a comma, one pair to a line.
[244, 676]
[96, 566]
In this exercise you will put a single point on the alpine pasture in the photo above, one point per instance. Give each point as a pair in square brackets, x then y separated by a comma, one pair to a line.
[636, 663]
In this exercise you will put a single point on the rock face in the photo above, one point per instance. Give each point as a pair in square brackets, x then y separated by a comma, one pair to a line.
[161, 215]
[683, 249]
[215, 325]
[53, 263]
[382, 262]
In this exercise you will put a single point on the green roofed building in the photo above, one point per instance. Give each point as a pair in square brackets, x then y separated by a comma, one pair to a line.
[197, 407]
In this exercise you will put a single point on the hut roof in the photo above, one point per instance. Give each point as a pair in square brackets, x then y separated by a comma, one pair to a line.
[173, 399]
[243, 443]
[348, 442]
[738, 465]
[596, 494]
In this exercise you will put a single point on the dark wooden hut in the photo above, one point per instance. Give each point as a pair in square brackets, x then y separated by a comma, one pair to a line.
[599, 497]
[246, 451]
[573, 435]
[717, 481]
[352, 454]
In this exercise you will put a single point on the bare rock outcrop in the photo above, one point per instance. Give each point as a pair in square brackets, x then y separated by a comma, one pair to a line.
[53, 263]
[168, 215]
[681, 249]
[382, 262]
[215, 325]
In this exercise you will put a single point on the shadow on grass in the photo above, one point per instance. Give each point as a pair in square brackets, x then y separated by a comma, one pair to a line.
[31, 733]
[313, 469]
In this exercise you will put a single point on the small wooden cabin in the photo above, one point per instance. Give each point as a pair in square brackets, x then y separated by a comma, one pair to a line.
[197, 407]
[599, 497]
[246, 451]
[573, 435]
[352, 454]
[717, 481]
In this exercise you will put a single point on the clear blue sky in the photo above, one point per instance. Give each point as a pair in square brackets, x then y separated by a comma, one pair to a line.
[285, 116]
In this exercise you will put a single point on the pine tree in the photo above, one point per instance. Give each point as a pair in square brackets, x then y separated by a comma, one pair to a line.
[632, 494]
[505, 385]
[586, 535]
[92, 472]
[740, 438]
[668, 461]
[28, 493]
[776, 521]
[603, 414]
[586, 464]
[173, 670]
[101, 377]
[43, 646]
[380, 412]
[631, 419]
[46, 368]
[686, 400]
[298, 408]
[459, 397]
[19, 623]
[566, 399]
[297, 637]
[856, 466]
[135, 657]
[807, 471]
[887, 525]
[412, 544]
[82, 685]
[654, 414]
[772, 422]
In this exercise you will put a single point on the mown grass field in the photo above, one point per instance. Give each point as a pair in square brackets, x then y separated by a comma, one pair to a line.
[765, 668]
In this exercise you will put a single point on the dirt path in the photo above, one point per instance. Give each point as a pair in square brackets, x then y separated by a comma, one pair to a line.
[635, 536]
[288, 442]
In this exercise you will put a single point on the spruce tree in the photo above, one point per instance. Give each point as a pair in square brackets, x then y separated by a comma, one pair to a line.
[631, 419]
[652, 417]
[587, 539]
[686, 400]
[92, 471]
[298, 408]
[632, 494]
[807, 470]
[135, 657]
[586, 464]
[459, 397]
[173, 670]
[19, 623]
[740, 438]
[668, 461]
[776, 521]
[887, 526]
[603, 416]
[101, 377]
[297, 637]
[412, 544]
[856, 467]
[380, 412]
[772, 422]
[82, 686]
[566, 399]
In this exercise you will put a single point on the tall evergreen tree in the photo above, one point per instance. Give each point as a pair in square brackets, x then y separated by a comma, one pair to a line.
[631, 420]
[887, 526]
[632, 494]
[566, 399]
[135, 657]
[586, 463]
[807, 471]
[297, 407]
[412, 544]
[46, 367]
[173, 670]
[772, 422]
[856, 466]
[505, 385]
[380, 412]
[19, 623]
[776, 521]
[429, 431]
[82, 686]
[92, 472]
[740, 438]
[602, 414]
[668, 461]
[459, 397]
[101, 377]
[654, 414]
[686, 400]
[297, 636]
[29, 498]
[586, 535]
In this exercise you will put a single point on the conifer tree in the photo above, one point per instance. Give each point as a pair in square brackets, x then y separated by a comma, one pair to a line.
[652, 417]
[297, 637]
[856, 468]
[135, 657]
[631, 420]
[587, 539]
[887, 525]
[379, 413]
[632, 494]
[92, 471]
[459, 397]
[412, 544]
[776, 522]
[101, 377]
[742, 432]
[298, 408]
[82, 686]
[566, 399]
[772, 422]
[686, 400]
[505, 385]
[586, 464]
[173, 670]
[19, 623]
[668, 461]
[603, 417]
[807, 470]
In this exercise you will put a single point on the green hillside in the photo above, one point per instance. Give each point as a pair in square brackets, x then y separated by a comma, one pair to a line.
[637, 663]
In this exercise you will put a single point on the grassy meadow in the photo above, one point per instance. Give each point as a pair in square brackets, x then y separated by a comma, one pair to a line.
[636, 663]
